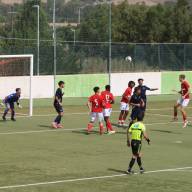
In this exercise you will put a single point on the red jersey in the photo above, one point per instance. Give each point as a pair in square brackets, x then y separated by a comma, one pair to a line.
[97, 103]
[126, 94]
[108, 98]
[184, 89]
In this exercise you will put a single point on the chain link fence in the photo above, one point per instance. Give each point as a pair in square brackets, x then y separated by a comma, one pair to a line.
[75, 52]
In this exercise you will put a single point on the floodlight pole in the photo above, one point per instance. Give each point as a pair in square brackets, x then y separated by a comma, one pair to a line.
[38, 41]
[54, 47]
[110, 31]
[74, 36]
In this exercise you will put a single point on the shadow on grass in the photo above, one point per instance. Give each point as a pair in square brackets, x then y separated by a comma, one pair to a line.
[117, 171]
[165, 131]
[84, 132]
[45, 126]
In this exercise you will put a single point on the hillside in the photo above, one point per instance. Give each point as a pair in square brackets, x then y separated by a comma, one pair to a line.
[147, 2]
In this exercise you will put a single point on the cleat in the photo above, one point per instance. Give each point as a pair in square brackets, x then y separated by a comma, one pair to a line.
[54, 125]
[4, 118]
[142, 170]
[13, 119]
[185, 124]
[111, 132]
[59, 126]
[129, 172]
[174, 119]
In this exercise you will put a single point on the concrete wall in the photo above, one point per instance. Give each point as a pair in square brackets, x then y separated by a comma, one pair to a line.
[120, 81]
[42, 86]
[82, 85]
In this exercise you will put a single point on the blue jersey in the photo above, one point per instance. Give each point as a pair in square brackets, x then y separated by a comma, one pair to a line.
[136, 99]
[12, 98]
[143, 91]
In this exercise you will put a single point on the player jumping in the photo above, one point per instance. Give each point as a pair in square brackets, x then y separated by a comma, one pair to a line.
[108, 99]
[137, 104]
[58, 106]
[125, 103]
[9, 103]
[95, 105]
[134, 140]
[183, 101]
[144, 88]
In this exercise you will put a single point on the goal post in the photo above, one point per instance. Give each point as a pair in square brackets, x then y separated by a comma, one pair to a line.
[14, 66]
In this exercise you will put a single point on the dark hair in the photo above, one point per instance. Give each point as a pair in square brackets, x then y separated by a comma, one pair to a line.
[108, 87]
[182, 76]
[95, 89]
[140, 116]
[131, 83]
[136, 89]
[61, 83]
[17, 89]
[140, 79]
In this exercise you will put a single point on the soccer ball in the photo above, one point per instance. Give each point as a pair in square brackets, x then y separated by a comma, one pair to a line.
[128, 58]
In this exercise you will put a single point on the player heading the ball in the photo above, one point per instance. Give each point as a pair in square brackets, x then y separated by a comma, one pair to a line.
[9, 103]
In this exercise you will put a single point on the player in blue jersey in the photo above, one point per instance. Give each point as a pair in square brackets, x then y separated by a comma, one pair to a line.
[144, 88]
[9, 103]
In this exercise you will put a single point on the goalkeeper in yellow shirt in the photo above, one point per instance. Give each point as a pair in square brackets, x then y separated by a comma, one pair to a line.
[135, 135]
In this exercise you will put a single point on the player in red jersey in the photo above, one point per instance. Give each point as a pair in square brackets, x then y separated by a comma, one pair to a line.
[108, 100]
[183, 101]
[95, 105]
[125, 103]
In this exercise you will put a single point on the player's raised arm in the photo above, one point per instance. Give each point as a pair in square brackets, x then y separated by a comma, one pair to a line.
[154, 89]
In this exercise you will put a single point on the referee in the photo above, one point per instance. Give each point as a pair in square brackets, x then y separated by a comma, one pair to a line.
[134, 140]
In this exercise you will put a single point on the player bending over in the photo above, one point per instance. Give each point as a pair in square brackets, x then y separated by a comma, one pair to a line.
[183, 101]
[137, 104]
[95, 105]
[144, 88]
[125, 103]
[134, 140]
[58, 106]
[108, 99]
[9, 103]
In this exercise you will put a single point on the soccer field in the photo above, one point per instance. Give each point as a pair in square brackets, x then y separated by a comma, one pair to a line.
[36, 158]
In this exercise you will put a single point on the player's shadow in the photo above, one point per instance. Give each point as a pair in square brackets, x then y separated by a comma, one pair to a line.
[116, 170]
[84, 132]
[45, 126]
[165, 131]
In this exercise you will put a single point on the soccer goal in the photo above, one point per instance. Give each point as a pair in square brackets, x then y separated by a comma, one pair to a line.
[16, 71]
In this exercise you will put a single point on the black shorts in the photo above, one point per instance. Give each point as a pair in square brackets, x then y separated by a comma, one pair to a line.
[136, 147]
[135, 113]
[58, 108]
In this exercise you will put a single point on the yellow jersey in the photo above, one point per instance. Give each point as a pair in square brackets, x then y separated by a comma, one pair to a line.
[137, 130]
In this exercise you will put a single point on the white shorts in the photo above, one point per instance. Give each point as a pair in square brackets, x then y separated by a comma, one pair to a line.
[183, 102]
[96, 116]
[124, 106]
[107, 112]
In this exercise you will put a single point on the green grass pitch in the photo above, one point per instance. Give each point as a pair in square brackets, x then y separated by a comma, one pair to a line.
[67, 160]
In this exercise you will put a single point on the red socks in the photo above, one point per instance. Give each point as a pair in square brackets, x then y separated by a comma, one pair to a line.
[109, 126]
[89, 127]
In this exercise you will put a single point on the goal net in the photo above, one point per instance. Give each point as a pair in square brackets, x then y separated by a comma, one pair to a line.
[16, 71]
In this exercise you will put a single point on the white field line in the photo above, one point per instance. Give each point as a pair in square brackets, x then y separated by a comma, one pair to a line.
[88, 178]
[72, 129]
